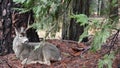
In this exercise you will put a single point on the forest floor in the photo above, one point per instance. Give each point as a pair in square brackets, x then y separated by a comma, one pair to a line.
[74, 55]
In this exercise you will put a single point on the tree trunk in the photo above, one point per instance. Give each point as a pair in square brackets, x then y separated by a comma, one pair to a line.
[6, 26]
[72, 30]
[0, 26]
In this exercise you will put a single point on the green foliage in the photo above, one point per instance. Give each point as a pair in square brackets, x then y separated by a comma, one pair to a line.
[114, 3]
[81, 18]
[100, 38]
[101, 30]
[107, 60]
[101, 35]
[45, 12]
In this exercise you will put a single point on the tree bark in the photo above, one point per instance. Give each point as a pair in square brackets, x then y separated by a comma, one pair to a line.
[6, 26]
[0, 26]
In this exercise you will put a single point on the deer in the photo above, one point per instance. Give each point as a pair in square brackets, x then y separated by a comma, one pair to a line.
[34, 52]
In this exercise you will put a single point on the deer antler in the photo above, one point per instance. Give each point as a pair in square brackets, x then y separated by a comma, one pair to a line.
[28, 26]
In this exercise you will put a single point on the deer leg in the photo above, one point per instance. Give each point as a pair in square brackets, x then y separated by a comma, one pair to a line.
[46, 57]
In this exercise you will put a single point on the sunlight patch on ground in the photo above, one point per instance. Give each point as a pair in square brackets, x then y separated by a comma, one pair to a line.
[42, 33]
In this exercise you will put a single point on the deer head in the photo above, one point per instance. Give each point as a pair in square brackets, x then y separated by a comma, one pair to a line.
[21, 35]
[18, 41]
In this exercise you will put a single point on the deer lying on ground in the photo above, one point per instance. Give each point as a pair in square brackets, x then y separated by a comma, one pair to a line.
[28, 53]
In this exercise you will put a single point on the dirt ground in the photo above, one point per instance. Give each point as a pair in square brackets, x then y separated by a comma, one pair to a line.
[73, 56]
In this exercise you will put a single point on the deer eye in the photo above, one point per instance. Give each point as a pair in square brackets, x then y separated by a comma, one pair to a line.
[20, 35]
[23, 34]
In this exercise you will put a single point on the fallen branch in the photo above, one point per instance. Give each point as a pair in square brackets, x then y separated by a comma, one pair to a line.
[112, 43]
[85, 50]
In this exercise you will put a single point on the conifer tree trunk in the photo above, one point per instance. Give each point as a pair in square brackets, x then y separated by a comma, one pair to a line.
[0, 26]
[72, 30]
[5, 26]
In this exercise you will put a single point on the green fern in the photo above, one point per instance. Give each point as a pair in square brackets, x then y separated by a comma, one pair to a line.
[102, 30]
[107, 60]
